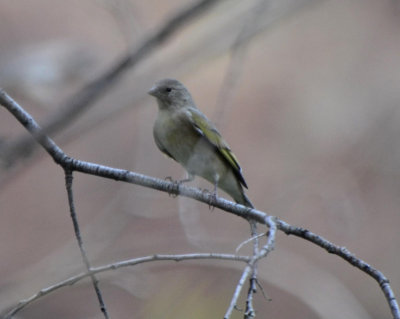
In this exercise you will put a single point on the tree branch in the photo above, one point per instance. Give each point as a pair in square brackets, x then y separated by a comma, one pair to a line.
[262, 253]
[344, 253]
[71, 203]
[86, 96]
[111, 267]
[69, 163]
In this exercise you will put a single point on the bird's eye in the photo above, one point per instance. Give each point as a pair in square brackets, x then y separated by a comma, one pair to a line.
[168, 90]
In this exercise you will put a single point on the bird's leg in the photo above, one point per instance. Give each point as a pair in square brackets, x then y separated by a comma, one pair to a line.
[214, 194]
[188, 178]
[173, 190]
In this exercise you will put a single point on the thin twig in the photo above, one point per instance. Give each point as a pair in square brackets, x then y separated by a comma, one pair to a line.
[111, 267]
[248, 240]
[236, 294]
[249, 214]
[250, 312]
[270, 221]
[78, 236]
[86, 96]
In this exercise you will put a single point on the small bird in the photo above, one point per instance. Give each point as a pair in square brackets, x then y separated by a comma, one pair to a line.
[184, 133]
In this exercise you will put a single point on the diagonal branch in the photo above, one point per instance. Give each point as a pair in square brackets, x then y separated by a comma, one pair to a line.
[239, 210]
[344, 253]
[71, 203]
[85, 98]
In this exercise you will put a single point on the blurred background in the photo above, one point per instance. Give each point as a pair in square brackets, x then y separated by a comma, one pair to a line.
[306, 93]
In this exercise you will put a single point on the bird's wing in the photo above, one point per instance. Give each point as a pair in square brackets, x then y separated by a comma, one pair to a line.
[205, 128]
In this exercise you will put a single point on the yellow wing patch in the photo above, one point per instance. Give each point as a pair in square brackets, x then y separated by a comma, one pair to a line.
[208, 130]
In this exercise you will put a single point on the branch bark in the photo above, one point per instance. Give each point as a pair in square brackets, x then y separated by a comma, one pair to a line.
[71, 164]
[86, 96]
[111, 267]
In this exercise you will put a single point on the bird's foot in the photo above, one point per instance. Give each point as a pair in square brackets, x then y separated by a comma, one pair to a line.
[213, 198]
[173, 190]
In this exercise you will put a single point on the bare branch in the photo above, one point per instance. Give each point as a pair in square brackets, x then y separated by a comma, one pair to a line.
[249, 214]
[248, 240]
[264, 251]
[349, 257]
[250, 312]
[85, 98]
[111, 267]
[95, 282]
[72, 164]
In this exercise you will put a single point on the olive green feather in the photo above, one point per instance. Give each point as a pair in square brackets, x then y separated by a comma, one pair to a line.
[208, 130]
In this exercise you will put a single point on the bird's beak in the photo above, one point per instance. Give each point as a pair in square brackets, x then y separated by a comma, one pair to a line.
[152, 91]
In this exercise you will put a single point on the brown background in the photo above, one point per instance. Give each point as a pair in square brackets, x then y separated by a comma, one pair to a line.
[313, 119]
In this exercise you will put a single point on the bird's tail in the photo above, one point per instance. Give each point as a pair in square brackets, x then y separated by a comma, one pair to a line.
[245, 201]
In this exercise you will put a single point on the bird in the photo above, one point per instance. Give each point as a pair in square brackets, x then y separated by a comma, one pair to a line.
[185, 134]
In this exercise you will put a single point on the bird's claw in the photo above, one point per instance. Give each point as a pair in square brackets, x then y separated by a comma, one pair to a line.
[173, 190]
[213, 198]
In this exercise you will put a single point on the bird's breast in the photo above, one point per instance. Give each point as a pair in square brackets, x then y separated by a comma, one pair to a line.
[175, 133]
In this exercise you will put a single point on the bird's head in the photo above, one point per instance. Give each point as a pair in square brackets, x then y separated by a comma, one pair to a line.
[171, 93]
